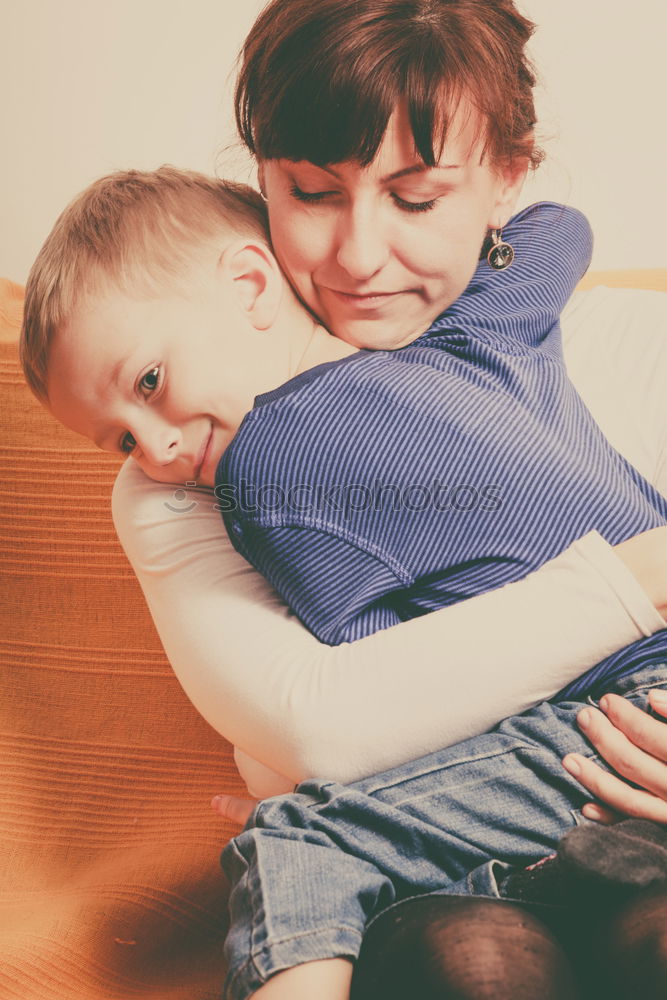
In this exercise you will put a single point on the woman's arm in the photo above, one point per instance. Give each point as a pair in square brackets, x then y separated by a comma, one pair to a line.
[306, 709]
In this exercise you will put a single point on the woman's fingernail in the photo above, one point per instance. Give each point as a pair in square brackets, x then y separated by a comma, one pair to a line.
[604, 703]
[591, 811]
[659, 697]
[571, 764]
[584, 718]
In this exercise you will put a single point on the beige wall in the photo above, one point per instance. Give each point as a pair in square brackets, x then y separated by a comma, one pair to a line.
[89, 86]
[601, 107]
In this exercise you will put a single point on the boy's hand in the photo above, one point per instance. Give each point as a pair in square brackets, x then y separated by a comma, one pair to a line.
[635, 745]
[233, 808]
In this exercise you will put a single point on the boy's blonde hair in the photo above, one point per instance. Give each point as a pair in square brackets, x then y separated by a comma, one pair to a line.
[133, 230]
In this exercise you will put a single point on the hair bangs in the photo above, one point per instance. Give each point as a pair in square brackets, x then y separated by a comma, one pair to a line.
[327, 123]
[436, 93]
[343, 115]
[320, 79]
[326, 95]
[329, 109]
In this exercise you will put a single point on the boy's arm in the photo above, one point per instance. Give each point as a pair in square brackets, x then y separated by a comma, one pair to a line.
[307, 709]
[339, 589]
[519, 307]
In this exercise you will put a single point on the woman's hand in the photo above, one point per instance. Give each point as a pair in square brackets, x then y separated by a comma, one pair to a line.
[635, 745]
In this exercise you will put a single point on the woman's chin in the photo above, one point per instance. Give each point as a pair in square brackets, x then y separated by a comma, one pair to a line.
[378, 334]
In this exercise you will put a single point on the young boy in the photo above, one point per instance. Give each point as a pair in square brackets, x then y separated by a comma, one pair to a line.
[452, 466]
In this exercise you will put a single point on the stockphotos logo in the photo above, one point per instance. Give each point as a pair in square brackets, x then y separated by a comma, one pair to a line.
[180, 502]
[352, 498]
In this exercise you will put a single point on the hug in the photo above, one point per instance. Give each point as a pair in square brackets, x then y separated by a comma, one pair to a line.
[380, 312]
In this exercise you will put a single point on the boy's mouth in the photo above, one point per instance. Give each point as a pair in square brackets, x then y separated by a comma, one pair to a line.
[203, 454]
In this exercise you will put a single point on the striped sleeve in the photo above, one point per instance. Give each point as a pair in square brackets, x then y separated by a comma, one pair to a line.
[520, 306]
[339, 590]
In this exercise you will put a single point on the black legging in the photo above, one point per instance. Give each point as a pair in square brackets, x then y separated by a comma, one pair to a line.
[467, 948]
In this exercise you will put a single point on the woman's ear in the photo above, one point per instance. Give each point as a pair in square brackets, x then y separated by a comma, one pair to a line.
[511, 177]
[256, 280]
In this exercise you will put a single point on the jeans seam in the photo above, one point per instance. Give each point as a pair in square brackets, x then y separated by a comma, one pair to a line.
[242, 971]
[519, 744]
[300, 935]
[250, 965]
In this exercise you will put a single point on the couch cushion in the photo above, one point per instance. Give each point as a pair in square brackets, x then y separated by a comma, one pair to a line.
[615, 347]
[109, 874]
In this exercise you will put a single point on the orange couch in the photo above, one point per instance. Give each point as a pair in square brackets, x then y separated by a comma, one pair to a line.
[110, 887]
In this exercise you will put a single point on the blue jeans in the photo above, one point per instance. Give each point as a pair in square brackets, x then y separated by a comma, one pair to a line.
[311, 869]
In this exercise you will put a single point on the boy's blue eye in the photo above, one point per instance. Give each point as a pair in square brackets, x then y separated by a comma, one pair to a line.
[151, 380]
[127, 443]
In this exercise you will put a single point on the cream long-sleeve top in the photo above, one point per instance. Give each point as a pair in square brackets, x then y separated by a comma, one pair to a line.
[295, 708]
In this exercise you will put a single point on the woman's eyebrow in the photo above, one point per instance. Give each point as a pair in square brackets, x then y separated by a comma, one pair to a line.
[419, 168]
[416, 168]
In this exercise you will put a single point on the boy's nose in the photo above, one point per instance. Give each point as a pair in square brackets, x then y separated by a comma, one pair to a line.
[159, 444]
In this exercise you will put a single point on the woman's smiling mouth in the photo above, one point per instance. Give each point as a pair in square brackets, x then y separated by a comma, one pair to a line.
[367, 300]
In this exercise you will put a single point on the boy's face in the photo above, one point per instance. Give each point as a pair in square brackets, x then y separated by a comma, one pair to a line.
[157, 379]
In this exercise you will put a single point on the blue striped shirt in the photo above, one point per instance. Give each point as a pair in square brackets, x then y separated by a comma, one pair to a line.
[388, 484]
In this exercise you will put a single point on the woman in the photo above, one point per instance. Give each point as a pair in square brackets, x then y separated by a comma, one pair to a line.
[341, 235]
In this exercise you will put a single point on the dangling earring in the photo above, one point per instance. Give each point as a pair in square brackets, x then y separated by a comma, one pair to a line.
[501, 254]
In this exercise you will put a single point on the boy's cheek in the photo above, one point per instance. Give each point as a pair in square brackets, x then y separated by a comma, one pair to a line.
[158, 475]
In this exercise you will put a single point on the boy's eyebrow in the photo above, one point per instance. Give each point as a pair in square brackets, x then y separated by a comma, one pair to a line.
[118, 367]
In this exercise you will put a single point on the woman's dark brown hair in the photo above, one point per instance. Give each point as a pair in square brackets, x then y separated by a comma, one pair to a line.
[319, 79]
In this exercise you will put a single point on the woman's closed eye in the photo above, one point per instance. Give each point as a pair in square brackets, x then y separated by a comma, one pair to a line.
[414, 206]
[317, 197]
[309, 197]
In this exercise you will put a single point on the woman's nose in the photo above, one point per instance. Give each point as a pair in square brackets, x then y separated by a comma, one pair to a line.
[362, 244]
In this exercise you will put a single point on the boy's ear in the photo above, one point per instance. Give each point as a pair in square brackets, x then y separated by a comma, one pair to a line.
[511, 180]
[256, 280]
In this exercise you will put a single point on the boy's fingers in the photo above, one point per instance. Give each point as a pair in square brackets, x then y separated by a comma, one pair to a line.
[614, 792]
[232, 808]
